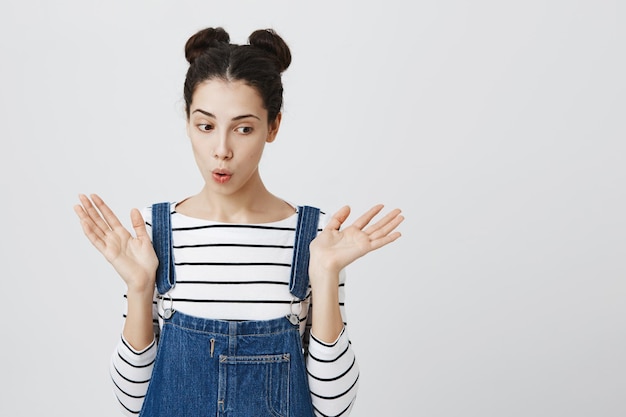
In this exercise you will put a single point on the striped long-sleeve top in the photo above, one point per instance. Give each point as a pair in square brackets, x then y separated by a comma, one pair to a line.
[240, 272]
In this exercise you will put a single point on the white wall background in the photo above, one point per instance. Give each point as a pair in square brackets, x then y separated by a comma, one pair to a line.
[498, 126]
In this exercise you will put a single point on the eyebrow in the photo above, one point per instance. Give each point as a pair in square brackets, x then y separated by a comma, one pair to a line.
[243, 116]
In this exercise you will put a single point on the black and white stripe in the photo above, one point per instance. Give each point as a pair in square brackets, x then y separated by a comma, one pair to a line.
[240, 272]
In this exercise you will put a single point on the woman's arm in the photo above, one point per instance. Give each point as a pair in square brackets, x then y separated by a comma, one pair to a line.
[135, 261]
[131, 370]
[331, 363]
[133, 258]
[334, 249]
[333, 370]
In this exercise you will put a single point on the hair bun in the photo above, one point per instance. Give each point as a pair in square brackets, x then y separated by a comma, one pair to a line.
[269, 41]
[204, 39]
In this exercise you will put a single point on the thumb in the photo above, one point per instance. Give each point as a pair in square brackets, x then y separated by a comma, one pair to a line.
[138, 224]
[338, 218]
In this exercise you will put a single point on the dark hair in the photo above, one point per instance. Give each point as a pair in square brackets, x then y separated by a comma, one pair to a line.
[259, 64]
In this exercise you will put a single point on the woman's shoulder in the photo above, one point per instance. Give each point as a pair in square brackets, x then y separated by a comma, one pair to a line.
[146, 211]
[322, 215]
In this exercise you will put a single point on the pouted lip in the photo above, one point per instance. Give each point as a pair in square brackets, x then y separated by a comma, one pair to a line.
[221, 175]
[221, 171]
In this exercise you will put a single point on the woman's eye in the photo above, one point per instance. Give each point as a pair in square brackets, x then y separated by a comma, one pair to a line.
[205, 128]
[244, 129]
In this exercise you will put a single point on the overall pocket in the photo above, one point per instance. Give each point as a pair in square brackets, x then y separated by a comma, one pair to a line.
[254, 385]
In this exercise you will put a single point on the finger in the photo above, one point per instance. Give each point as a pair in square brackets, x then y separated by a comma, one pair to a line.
[379, 243]
[387, 228]
[87, 219]
[388, 218]
[94, 215]
[110, 217]
[89, 228]
[338, 218]
[367, 217]
[139, 224]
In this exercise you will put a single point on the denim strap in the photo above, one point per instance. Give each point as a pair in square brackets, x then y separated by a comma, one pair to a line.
[306, 230]
[162, 242]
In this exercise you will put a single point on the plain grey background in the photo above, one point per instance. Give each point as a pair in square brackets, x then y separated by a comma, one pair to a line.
[497, 126]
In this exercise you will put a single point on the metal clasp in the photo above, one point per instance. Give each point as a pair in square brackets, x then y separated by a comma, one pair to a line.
[169, 310]
[292, 316]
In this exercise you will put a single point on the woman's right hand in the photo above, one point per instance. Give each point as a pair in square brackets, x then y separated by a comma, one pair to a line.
[132, 257]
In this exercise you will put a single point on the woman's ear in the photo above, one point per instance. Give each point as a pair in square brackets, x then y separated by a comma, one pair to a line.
[273, 128]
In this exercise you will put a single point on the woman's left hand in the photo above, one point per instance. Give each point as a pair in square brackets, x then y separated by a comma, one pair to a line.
[334, 249]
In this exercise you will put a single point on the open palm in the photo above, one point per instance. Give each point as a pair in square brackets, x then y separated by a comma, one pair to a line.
[333, 249]
[132, 257]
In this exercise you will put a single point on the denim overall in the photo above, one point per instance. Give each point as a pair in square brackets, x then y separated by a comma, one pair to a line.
[206, 367]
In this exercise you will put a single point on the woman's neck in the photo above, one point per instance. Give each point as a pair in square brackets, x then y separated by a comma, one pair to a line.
[260, 207]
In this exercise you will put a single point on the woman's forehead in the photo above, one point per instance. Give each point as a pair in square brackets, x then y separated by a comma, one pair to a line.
[227, 98]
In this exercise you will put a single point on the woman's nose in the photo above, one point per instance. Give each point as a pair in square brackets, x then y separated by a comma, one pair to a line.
[222, 149]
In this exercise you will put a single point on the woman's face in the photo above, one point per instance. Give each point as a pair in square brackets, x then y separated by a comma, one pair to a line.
[228, 129]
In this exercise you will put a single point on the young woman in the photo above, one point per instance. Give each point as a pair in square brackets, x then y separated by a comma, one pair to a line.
[240, 313]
